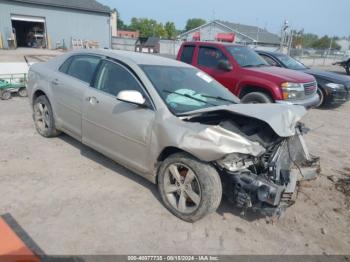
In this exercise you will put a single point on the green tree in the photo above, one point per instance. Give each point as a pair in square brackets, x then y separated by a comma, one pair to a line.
[170, 29]
[148, 27]
[325, 43]
[160, 31]
[308, 40]
[194, 23]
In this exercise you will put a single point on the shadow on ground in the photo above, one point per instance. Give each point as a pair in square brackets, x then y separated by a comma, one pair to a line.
[225, 206]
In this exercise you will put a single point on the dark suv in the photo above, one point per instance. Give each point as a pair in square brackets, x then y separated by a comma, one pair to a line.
[333, 88]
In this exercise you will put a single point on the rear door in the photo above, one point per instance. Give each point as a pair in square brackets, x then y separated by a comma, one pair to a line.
[208, 59]
[187, 53]
[117, 129]
[68, 87]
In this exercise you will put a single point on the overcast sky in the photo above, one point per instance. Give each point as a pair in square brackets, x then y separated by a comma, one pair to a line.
[317, 16]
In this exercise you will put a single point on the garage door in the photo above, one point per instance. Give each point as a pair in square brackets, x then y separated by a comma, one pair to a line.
[30, 31]
[28, 18]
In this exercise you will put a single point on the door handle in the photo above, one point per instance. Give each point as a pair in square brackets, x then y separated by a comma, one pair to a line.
[55, 82]
[92, 100]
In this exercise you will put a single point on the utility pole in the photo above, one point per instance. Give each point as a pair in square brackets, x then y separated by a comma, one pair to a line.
[283, 34]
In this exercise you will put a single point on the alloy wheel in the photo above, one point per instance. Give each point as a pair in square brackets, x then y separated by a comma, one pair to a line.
[42, 117]
[182, 188]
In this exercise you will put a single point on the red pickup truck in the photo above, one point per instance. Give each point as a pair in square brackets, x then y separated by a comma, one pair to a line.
[248, 76]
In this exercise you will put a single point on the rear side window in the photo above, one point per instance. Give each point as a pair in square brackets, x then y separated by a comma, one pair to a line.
[210, 57]
[187, 54]
[83, 67]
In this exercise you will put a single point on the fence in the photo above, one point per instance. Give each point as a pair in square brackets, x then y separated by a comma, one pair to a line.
[310, 57]
[126, 44]
[166, 47]
[318, 57]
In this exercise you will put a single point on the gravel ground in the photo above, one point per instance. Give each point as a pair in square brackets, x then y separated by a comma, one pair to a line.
[72, 200]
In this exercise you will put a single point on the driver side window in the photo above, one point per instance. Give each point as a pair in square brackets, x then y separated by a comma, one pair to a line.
[210, 57]
[113, 78]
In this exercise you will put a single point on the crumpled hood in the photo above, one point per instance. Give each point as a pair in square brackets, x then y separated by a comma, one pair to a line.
[281, 118]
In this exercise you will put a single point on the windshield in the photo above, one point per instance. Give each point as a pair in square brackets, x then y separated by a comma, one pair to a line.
[246, 57]
[290, 63]
[185, 89]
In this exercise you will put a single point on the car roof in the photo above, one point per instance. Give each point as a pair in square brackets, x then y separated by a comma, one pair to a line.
[211, 43]
[135, 57]
[269, 52]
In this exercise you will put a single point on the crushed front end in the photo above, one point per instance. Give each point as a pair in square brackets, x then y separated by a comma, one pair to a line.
[268, 183]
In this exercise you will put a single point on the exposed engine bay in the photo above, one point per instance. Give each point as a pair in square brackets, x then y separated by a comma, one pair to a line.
[266, 183]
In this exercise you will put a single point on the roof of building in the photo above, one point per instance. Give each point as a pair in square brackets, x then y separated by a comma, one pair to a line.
[84, 5]
[255, 33]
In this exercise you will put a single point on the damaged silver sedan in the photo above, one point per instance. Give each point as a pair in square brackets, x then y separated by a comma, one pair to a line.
[177, 127]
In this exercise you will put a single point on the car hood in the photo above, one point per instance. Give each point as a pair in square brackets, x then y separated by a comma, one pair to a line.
[329, 76]
[281, 118]
[284, 74]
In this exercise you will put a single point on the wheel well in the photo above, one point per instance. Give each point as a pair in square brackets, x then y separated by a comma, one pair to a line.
[37, 94]
[168, 151]
[250, 89]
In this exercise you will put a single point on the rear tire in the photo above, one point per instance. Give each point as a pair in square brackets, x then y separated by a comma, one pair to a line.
[6, 95]
[22, 92]
[43, 117]
[190, 189]
[256, 98]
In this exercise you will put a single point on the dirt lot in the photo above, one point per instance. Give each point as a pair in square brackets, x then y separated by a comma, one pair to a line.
[72, 200]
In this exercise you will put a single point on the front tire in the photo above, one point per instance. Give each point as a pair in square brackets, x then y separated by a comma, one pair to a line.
[43, 117]
[190, 189]
[321, 95]
[256, 98]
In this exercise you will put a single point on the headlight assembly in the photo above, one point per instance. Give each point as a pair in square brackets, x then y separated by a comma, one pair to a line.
[335, 86]
[292, 91]
[235, 162]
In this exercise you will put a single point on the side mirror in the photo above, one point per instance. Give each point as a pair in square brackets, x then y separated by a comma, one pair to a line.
[225, 65]
[131, 96]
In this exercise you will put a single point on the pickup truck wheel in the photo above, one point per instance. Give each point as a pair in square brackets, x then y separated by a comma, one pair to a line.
[256, 98]
[6, 95]
[190, 189]
[22, 92]
[43, 118]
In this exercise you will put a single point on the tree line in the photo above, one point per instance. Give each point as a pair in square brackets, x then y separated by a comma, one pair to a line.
[308, 40]
[150, 27]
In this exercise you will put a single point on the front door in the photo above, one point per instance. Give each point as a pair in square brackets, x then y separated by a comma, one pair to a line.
[208, 61]
[117, 129]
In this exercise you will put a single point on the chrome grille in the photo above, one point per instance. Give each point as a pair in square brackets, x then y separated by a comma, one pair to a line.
[310, 88]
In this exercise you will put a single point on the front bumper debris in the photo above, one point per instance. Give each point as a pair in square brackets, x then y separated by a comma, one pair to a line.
[307, 102]
[272, 191]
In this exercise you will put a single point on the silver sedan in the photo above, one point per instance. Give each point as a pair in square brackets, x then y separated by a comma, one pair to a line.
[177, 127]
